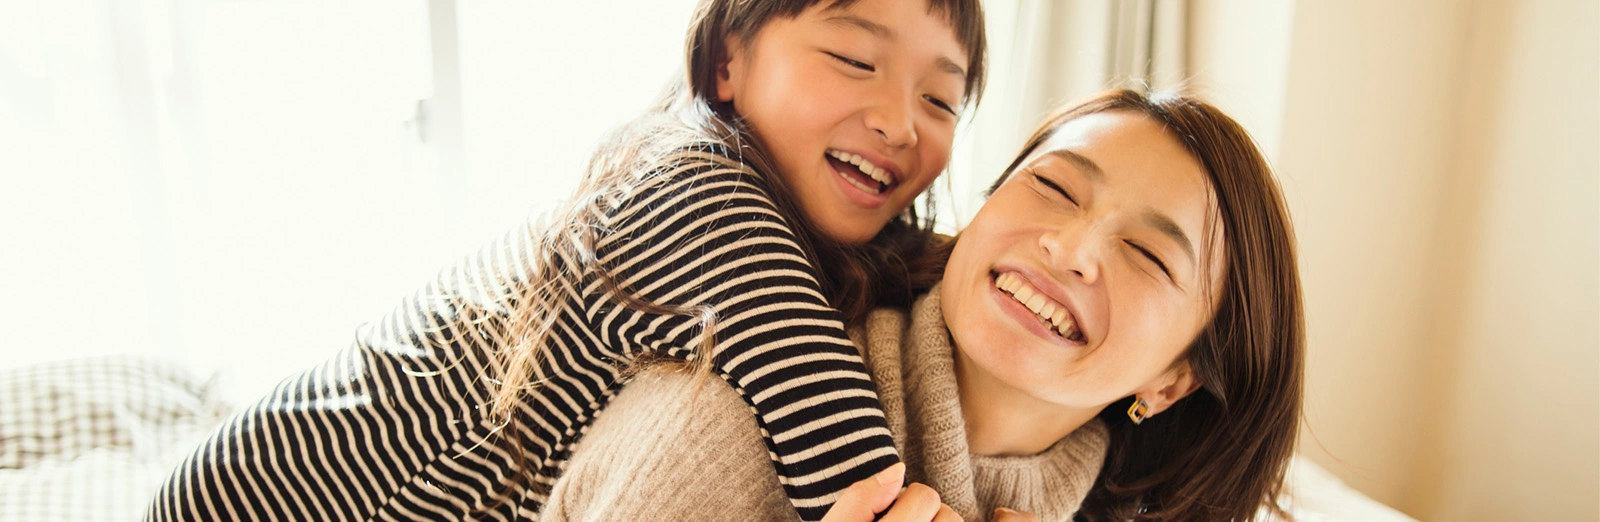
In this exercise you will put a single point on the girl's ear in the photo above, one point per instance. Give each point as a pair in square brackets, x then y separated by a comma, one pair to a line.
[1166, 390]
[730, 68]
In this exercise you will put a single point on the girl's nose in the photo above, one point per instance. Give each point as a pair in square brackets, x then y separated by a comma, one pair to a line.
[1073, 248]
[892, 119]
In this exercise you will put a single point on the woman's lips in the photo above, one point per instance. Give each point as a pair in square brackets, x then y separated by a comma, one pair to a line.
[1037, 311]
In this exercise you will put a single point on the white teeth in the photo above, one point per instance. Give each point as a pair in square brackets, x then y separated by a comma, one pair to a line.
[1008, 282]
[1067, 328]
[860, 185]
[873, 171]
[1052, 313]
[1036, 303]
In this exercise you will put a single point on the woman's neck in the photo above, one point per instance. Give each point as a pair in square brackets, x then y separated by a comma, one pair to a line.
[1004, 421]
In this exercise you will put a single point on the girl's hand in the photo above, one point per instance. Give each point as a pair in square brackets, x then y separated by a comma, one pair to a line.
[1007, 515]
[870, 496]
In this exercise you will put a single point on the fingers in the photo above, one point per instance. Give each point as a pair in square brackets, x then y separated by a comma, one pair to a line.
[1007, 515]
[946, 514]
[915, 503]
[867, 497]
[918, 503]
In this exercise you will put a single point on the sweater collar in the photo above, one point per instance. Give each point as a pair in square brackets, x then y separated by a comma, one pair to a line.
[911, 358]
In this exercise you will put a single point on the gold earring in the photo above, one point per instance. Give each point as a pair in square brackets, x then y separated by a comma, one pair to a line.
[1139, 410]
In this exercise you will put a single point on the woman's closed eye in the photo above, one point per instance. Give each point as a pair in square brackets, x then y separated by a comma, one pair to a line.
[1052, 186]
[1152, 257]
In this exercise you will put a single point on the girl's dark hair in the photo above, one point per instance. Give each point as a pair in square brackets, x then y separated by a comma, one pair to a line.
[857, 278]
[854, 278]
[1221, 453]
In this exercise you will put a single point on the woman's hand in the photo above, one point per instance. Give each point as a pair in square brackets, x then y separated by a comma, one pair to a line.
[870, 496]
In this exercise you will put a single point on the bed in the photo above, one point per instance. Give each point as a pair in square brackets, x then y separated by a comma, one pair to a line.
[90, 440]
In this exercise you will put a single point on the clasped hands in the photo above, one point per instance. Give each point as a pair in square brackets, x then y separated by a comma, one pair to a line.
[882, 493]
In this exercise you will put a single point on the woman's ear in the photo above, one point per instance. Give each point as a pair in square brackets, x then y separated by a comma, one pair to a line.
[1175, 384]
[730, 68]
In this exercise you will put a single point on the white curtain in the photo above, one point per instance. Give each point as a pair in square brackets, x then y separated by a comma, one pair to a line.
[238, 185]
[1046, 53]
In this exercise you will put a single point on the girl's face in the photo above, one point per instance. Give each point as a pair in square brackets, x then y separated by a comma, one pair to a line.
[855, 105]
[1080, 281]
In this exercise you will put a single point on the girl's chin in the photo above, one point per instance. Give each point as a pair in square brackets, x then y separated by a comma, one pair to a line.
[848, 231]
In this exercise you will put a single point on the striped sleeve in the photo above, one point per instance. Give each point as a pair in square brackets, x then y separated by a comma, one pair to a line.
[390, 428]
[711, 237]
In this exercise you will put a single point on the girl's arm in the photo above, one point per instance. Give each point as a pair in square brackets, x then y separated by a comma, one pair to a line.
[710, 236]
[676, 446]
[390, 428]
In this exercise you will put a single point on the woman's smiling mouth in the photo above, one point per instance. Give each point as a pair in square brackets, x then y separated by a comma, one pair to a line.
[1054, 315]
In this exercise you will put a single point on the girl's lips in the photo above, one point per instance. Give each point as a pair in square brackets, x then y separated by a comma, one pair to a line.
[888, 171]
[854, 193]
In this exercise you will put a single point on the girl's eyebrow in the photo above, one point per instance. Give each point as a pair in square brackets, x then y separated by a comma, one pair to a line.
[883, 32]
[877, 29]
[950, 66]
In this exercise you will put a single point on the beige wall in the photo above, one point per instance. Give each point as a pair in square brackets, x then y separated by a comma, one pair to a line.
[1440, 158]
[1520, 349]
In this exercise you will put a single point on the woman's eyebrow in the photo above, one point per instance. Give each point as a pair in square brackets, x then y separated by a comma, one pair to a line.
[1171, 229]
[1090, 169]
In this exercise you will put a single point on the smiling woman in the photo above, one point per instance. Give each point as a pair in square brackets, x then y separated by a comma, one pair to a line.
[1172, 239]
[1065, 269]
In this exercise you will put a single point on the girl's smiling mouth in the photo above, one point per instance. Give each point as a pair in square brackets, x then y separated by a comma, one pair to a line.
[861, 173]
[1053, 316]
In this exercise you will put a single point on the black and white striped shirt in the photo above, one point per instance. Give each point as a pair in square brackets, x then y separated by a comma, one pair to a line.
[396, 427]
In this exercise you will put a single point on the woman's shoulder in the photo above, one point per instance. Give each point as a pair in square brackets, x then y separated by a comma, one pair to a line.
[673, 444]
[676, 396]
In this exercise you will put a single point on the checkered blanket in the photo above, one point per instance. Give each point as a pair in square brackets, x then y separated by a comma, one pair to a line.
[91, 440]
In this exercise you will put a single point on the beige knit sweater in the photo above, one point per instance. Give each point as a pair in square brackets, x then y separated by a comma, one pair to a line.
[678, 446]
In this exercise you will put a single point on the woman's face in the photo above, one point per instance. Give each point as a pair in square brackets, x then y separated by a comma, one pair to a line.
[1079, 282]
[855, 105]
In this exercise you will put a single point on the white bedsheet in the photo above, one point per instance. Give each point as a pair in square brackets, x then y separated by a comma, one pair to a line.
[1315, 495]
[91, 440]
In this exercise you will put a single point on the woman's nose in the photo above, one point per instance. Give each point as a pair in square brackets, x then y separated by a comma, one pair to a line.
[892, 118]
[1073, 248]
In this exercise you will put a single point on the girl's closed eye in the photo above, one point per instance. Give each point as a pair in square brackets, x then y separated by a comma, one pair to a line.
[864, 66]
[941, 104]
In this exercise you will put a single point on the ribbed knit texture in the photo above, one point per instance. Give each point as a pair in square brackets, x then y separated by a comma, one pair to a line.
[674, 446]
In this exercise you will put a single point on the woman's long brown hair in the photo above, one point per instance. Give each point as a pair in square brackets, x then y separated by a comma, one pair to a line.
[854, 278]
[1221, 453]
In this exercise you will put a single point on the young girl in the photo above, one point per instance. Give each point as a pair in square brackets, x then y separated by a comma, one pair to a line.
[1117, 336]
[725, 229]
